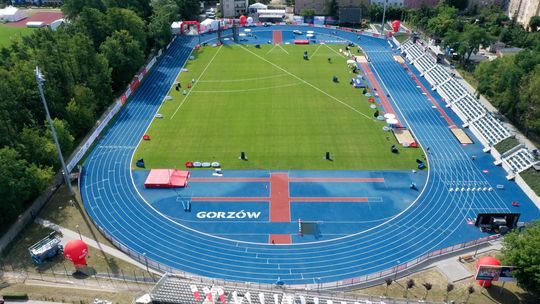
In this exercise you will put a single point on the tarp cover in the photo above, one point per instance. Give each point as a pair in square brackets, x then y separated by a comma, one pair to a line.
[166, 178]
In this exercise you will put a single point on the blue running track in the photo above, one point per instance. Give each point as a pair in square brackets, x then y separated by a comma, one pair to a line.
[437, 219]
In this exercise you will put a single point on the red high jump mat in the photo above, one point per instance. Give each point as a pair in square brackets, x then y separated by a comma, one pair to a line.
[166, 178]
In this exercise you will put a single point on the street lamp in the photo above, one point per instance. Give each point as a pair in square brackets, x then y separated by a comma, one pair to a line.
[383, 16]
[80, 236]
[40, 80]
[397, 266]
[146, 261]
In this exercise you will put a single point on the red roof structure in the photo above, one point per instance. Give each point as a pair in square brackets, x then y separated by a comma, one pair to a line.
[166, 178]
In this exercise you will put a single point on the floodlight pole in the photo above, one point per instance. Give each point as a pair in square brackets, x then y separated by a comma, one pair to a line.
[40, 80]
[383, 16]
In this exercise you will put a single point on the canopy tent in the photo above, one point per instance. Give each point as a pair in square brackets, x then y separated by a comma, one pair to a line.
[209, 25]
[12, 14]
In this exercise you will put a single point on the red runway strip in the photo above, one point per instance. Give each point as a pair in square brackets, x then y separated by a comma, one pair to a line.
[229, 199]
[331, 199]
[338, 180]
[229, 179]
[277, 37]
[382, 95]
[279, 239]
[433, 101]
[280, 207]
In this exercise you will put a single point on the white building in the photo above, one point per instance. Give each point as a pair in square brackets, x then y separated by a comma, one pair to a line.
[399, 3]
[12, 14]
[233, 8]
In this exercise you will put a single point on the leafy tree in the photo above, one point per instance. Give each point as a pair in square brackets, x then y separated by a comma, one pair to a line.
[124, 55]
[65, 139]
[140, 7]
[388, 282]
[72, 8]
[428, 287]
[449, 288]
[35, 146]
[470, 291]
[189, 9]
[534, 23]
[408, 285]
[473, 37]
[80, 111]
[520, 249]
[438, 25]
[333, 8]
[19, 182]
[93, 23]
[159, 27]
[307, 12]
[124, 19]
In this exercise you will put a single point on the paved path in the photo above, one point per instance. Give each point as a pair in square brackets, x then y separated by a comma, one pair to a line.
[68, 235]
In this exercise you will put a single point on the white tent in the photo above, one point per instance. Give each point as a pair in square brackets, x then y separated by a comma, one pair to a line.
[175, 28]
[56, 23]
[12, 14]
[209, 25]
[256, 6]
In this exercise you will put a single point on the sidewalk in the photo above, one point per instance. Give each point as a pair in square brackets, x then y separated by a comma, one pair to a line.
[68, 235]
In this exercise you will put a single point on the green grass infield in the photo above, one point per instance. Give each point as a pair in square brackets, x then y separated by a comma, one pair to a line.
[283, 111]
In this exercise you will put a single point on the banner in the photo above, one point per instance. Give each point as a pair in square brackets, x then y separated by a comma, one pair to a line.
[495, 273]
[298, 19]
[318, 20]
[308, 19]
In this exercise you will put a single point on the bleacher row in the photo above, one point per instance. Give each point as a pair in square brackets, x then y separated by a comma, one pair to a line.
[474, 113]
[172, 289]
[520, 160]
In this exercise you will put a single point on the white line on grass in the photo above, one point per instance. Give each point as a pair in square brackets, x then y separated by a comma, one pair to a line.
[249, 90]
[315, 51]
[283, 49]
[334, 50]
[200, 76]
[244, 79]
[309, 84]
[271, 49]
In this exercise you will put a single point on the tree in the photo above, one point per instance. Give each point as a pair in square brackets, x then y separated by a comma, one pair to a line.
[72, 8]
[520, 249]
[449, 288]
[470, 291]
[189, 9]
[80, 110]
[124, 19]
[473, 37]
[159, 31]
[307, 12]
[19, 182]
[124, 55]
[93, 23]
[428, 287]
[534, 23]
[140, 7]
[410, 284]
[333, 8]
[388, 282]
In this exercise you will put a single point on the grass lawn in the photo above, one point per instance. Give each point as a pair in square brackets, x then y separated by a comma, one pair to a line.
[8, 34]
[506, 144]
[532, 178]
[402, 37]
[283, 111]
[61, 211]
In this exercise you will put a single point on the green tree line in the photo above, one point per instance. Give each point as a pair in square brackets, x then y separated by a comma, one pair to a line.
[86, 63]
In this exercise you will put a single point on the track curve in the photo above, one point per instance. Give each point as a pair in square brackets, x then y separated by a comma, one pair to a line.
[435, 220]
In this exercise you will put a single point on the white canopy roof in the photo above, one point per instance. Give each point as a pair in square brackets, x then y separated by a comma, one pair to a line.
[258, 6]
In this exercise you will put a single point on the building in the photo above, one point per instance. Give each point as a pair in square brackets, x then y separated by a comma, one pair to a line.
[399, 3]
[233, 8]
[321, 6]
[418, 3]
[523, 10]
[12, 14]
